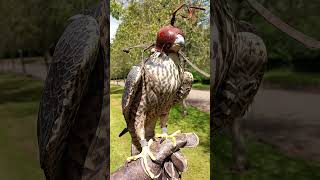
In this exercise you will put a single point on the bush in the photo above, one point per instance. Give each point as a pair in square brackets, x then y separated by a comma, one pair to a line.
[274, 63]
[307, 65]
[198, 78]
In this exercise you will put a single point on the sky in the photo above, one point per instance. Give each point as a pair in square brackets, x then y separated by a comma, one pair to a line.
[114, 24]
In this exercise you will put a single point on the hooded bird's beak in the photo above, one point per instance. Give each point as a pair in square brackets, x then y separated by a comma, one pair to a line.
[179, 41]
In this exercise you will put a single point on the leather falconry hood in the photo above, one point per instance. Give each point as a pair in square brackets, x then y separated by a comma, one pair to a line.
[167, 34]
[166, 37]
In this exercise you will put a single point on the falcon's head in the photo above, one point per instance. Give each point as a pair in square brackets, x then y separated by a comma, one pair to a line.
[170, 39]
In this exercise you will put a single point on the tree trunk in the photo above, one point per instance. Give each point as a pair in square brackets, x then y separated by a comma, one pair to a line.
[47, 59]
[23, 68]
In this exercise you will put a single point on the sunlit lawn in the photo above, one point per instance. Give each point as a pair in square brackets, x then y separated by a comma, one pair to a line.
[196, 121]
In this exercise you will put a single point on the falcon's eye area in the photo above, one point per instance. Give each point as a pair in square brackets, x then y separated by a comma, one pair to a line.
[179, 40]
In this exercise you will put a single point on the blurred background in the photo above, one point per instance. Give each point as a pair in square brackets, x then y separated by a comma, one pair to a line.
[282, 125]
[29, 31]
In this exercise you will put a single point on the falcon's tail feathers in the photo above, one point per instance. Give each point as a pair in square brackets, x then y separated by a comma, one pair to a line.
[125, 130]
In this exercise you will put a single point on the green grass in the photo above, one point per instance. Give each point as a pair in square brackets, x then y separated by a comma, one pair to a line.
[201, 86]
[288, 78]
[196, 121]
[19, 99]
[265, 163]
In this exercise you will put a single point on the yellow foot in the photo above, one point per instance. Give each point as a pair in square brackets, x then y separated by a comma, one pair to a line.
[172, 136]
[144, 155]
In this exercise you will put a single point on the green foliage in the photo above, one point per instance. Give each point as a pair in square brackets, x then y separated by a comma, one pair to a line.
[287, 78]
[34, 25]
[198, 78]
[306, 65]
[201, 86]
[116, 9]
[302, 15]
[141, 21]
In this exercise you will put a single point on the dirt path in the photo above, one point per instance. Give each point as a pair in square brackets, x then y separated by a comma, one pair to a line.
[289, 120]
[36, 68]
[199, 99]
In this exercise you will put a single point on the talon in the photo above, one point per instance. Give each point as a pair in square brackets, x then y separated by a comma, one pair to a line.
[166, 136]
[152, 157]
[144, 153]
[176, 133]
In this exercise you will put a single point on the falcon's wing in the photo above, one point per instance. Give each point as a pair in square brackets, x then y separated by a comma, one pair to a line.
[73, 60]
[130, 89]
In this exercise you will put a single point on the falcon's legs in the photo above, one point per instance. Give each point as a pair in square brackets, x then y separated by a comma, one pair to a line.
[134, 150]
[184, 108]
[238, 147]
[163, 122]
[164, 134]
[144, 155]
[138, 133]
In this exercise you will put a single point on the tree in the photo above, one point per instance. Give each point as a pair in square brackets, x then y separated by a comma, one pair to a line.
[297, 13]
[142, 19]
